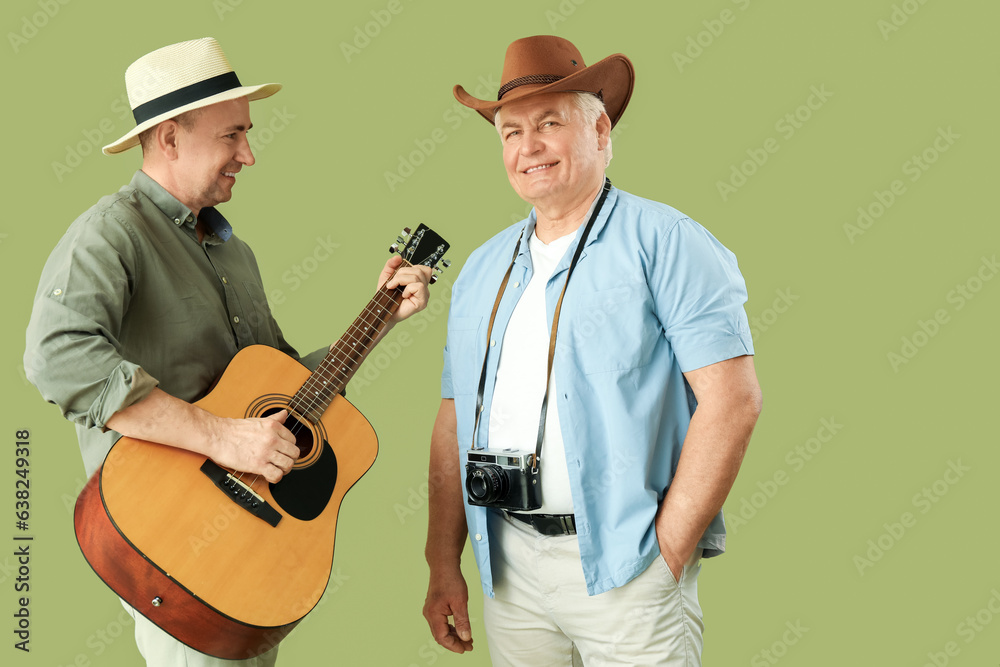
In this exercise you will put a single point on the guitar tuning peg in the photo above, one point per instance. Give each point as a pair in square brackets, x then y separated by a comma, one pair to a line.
[394, 247]
[433, 279]
[446, 263]
[406, 230]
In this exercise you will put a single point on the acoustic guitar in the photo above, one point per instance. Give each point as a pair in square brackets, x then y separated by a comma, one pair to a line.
[193, 546]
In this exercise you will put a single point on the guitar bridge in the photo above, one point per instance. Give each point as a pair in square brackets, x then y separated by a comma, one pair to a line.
[240, 493]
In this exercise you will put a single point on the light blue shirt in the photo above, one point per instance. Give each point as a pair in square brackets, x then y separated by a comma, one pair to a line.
[654, 295]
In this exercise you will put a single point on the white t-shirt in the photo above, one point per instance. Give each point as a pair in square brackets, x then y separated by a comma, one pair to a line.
[520, 382]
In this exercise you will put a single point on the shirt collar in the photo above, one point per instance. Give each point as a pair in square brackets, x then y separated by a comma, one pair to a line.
[219, 228]
[602, 218]
[217, 223]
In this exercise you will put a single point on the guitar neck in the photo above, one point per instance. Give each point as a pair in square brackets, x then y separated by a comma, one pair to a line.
[346, 355]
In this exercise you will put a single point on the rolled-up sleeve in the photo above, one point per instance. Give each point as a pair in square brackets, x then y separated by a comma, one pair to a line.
[72, 351]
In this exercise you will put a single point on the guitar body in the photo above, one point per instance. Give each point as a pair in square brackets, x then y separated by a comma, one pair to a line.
[201, 559]
[221, 560]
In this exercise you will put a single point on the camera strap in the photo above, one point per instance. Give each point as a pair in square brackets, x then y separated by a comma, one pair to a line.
[552, 337]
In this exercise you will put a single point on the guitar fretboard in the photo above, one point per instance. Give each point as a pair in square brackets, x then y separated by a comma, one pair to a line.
[346, 355]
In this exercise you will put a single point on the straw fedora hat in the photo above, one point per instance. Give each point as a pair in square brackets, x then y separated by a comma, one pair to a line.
[178, 78]
[549, 64]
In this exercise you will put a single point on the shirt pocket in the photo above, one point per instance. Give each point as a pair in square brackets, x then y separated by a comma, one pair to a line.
[465, 359]
[611, 330]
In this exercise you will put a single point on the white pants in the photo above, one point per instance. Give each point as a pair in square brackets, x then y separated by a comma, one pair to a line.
[541, 613]
[161, 650]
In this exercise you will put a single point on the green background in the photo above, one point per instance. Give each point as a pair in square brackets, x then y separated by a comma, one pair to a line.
[830, 306]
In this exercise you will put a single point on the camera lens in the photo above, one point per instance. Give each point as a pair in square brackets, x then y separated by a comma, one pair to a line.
[487, 484]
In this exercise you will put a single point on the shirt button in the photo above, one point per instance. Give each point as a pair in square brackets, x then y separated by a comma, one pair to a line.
[236, 319]
[517, 284]
[56, 292]
[224, 281]
[479, 538]
[493, 343]
[189, 218]
[177, 221]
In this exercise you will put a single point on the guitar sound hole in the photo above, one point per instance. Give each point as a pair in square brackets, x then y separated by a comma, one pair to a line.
[303, 434]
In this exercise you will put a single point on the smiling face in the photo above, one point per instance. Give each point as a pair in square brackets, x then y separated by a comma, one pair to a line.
[552, 155]
[211, 152]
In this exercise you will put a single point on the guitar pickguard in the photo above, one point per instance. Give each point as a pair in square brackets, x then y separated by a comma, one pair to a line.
[306, 489]
[305, 492]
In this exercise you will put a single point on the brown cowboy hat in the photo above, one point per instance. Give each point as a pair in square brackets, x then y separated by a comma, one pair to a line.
[549, 64]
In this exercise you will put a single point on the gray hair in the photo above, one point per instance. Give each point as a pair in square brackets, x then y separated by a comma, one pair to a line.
[591, 106]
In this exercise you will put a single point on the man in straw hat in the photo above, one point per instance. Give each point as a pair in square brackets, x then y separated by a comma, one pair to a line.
[149, 294]
[579, 343]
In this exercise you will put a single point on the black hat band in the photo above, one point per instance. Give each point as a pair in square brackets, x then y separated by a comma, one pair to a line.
[184, 96]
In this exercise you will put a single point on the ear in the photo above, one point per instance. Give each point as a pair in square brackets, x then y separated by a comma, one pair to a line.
[603, 131]
[167, 137]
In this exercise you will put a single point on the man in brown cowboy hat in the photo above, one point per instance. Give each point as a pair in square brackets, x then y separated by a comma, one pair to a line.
[567, 444]
[149, 294]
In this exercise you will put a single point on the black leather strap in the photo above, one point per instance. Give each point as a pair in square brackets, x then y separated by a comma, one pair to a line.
[548, 524]
[555, 317]
[552, 338]
[489, 332]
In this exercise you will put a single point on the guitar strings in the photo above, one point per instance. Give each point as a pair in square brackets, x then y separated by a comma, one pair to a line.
[379, 316]
[310, 395]
[378, 312]
[316, 392]
[323, 370]
[344, 358]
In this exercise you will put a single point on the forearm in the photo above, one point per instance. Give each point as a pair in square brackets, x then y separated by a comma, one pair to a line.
[260, 445]
[716, 441]
[164, 419]
[711, 458]
[447, 592]
[446, 530]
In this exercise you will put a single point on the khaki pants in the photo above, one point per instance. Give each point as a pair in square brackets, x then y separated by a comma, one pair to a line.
[161, 650]
[542, 615]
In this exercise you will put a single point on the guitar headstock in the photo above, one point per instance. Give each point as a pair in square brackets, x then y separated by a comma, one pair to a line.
[423, 246]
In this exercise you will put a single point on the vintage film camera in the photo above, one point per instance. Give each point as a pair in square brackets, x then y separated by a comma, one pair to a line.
[503, 478]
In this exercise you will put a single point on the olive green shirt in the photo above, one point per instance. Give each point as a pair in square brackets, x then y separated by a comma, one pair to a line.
[129, 299]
